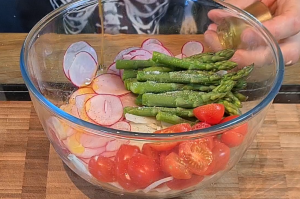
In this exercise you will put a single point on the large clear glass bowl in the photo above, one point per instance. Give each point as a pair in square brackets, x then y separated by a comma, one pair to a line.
[127, 24]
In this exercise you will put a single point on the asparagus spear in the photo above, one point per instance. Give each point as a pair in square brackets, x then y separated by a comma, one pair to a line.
[171, 118]
[158, 68]
[138, 100]
[178, 77]
[230, 108]
[134, 64]
[225, 86]
[128, 82]
[240, 84]
[191, 64]
[240, 96]
[221, 55]
[153, 111]
[244, 72]
[129, 74]
[234, 99]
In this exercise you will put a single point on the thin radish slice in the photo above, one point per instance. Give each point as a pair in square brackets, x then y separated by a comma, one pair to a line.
[122, 125]
[56, 126]
[104, 109]
[109, 154]
[180, 56]
[70, 109]
[192, 48]
[83, 69]
[73, 50]
[80, 104]
[113, 70]
[158, 48]
[128, 100]
[124, 52]
[79, 165]
[88, 152]
[141, 57]
[92, 141]
[85, 160]
[109, 84]
[114, 145]
[139, 52]
[151, 41]
[157, 183]
[80, 91]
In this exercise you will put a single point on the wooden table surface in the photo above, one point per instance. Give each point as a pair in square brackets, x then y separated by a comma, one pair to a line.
[10, 46]
[30, 168]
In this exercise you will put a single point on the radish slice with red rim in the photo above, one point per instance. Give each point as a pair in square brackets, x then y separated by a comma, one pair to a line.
[114, 145]
[121, 125]
[83, 69]
[192, 48]
[80, 91]
[158, 48]
[80, 104]
[113, 70]
[73, 50]
[89, 152]
[124, 52]
[141, 57]
[109, 154]
[109, 84]
[151, 41]
[180, 56]
[105, 110]
[128, 100]
[92, 141]
[139, 52]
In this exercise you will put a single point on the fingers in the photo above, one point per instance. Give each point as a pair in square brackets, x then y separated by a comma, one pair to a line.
[212, 40]
[239, 3]
[291, 49]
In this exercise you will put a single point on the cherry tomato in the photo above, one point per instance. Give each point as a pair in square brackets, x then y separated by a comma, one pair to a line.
[242, 129]
[102, 168]
[143, 170]
[150, 152]
[210, 113]
[221, 156]
[172, 164]
[165, 146]
[200, 125]
[196, 155]
[231, 138]
[209, 141]
[125, 152]
[123, 177]
[180, 184]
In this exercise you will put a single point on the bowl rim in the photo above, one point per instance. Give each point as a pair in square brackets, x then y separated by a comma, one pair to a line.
[96, 129]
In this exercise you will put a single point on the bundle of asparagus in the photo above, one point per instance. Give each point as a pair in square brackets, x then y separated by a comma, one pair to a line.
[169, 88]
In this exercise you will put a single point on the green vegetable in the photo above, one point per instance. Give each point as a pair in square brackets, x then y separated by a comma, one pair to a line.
[134, 64]
[138, 100]
[171, 118]
[221, 55]
[232, 98]
[153, 111]
[230, 108]
[129, 74]
[240, 96]
[244, 72]
[158, 68]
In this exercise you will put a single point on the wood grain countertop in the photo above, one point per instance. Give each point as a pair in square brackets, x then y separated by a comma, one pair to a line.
[10, 46]
[31, 169]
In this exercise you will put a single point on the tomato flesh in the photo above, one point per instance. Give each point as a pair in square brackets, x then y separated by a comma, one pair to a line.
[180, 184]
[102, 168]
[125, 152]
[150, 152]
[196, 155]
[123, 177]
[173, 165]
[232, 139]
[200, 125]
[242, 129]
[210, 113]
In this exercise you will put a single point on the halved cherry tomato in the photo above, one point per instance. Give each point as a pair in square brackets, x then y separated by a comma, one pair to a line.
[180, 184]
[165, 146]
[200, 125]
[102, 168]
[242, 129]
[209, 141]
[143, 170]
[231, 138]
[196, 155]
[123, 177]
[125, 152]
[172, 164]
[150, 152]
[221, 156]
[210, 113]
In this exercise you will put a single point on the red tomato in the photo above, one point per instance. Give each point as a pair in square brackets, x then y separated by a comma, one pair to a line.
[102, 168]
[232, 138]
[179, 184]
[221, 156]
[200, 125]
[125, 152]
[196, 155]
[242, 129]
[210, 113]
[143, 170]
[123, 177]
[209, 141]
[150, 152]
[172, 164]
[165, 146]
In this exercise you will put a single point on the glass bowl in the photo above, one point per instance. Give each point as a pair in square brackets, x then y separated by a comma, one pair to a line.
[103, 155]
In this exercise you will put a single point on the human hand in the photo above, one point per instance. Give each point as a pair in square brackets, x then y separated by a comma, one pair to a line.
[284, 26]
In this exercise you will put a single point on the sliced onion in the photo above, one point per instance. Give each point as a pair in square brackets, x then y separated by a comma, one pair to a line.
[157, 183]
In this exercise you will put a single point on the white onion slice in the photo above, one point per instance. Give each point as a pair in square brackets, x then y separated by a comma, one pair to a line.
[157, 183]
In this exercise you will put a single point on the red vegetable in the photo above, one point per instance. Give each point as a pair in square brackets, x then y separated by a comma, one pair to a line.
[210, 113]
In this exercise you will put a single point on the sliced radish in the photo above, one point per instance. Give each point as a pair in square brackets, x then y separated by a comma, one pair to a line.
[192, 48]
[89, 152]
[85, 160]
[78, 164]
[83, 69]
[139, 52]
[128, 100]
[151, 41]
[92, 141]
[112, 69]
[54, 124]
[141, 57]
[109, 84]
[104, 109]
[180, 56]
[73, 50]
[124, 52]
[70, 109]
[121, 125]
[109, 154]
[80, 104]
[157, 183]
[158, 48]
[80, 91]
[114, 145]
